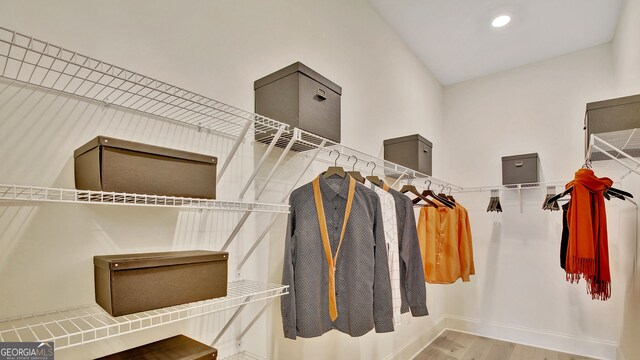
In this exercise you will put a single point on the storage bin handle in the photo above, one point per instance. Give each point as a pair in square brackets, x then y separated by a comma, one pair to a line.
[519, 163]
[321, 94]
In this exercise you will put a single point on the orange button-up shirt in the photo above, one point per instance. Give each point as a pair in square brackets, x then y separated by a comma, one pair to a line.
[446, 247]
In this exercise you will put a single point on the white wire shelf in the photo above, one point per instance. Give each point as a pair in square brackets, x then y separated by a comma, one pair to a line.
[538, 185]
[244, 355]
[81, 325]
[621, 147]
[306, 142]
[45, 194]
[36, 62]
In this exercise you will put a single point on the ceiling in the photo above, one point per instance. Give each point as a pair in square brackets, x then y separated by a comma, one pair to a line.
[455, 40]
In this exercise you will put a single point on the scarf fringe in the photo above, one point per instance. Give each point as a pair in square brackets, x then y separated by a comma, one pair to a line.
[599, 289]
[578, 268]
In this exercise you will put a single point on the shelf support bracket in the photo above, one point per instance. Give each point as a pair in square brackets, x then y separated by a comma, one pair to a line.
[262, 161]
[234, 149]
[231, 320]
[245, 216]
[256, 243]
[275, 167]
[255, 319]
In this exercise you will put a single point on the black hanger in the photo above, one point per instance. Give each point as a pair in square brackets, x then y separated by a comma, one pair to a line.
[373, 178]
[335, 170]
[443, 195]
[617, 193]
[412, 189]
[354, 173]
[446, 202]
[449, 195]
[494, 202]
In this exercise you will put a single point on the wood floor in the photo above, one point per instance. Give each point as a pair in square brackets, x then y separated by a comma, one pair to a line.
[453, 345]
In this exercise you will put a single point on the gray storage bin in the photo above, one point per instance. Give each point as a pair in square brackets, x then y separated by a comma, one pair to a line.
[412, 151]
[520, 169]
[612, 115]
[302, 98]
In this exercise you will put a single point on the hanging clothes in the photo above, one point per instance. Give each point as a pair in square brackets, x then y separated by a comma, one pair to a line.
[587, 246]
[412, 285]
[362, 293]
[564, 242]
[446, 246]
[388, 205]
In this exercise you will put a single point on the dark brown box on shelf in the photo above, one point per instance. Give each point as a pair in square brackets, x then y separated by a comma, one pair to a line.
[612, 115]
[301, 97]
[520, 169]
[108, 164]
[131, 283]
[178, 347]
[412, 151]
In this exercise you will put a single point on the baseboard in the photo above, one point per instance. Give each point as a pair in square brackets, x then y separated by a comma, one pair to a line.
[412, 347]
[545, 339]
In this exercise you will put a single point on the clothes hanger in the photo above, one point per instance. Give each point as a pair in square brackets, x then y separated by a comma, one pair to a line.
[412, 189]
[373, 178]
[354, 173]
[446, 202]
[335, 169]
[494, 202]
[617, 193]
[449, 195]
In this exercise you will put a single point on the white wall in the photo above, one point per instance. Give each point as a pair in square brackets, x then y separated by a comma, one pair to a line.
[521, 293]
[626, 54]
[218, 49]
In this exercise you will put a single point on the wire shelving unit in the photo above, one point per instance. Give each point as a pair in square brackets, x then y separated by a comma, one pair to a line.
[45, 194]
[81, 325]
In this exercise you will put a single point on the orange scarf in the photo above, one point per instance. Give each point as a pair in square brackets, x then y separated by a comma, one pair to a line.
[588, 248]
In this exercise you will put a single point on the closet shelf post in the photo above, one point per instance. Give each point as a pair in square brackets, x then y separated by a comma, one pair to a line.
[233, 151]
[262, 161]
[231, 320]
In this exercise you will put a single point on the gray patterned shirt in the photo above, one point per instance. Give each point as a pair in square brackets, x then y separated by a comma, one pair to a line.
[363, 288]
[412, 284]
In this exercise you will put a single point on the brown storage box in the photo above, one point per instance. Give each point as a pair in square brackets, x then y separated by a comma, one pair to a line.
[174, 348]
[612, 115]
[131, 283]
[301, 97]
[412, 151]
[108, 164]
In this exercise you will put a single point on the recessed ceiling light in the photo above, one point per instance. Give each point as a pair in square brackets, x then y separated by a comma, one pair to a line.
[501, 21]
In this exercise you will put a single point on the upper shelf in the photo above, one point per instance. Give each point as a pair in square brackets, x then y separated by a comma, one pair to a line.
[620, 146]
[44, 194]
[36, 62]
[307, 143]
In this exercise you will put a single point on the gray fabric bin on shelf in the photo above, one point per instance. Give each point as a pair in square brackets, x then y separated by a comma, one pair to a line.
[520, 169]
[609, 116]
[131, 283]
[302, 98]
[109, 164]
[412, 151]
